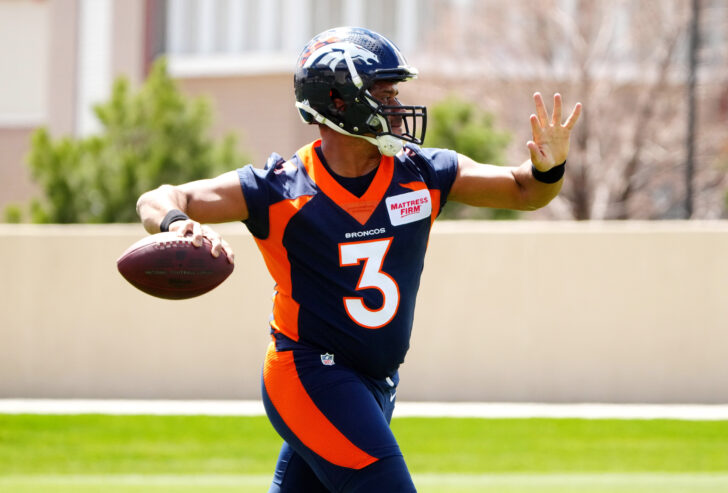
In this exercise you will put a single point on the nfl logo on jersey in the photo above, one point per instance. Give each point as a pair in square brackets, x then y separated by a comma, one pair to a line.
[327, 359]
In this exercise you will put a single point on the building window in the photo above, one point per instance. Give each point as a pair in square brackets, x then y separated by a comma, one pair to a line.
[214, 37]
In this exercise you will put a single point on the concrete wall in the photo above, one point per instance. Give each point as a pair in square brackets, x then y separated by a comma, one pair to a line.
[553, 312]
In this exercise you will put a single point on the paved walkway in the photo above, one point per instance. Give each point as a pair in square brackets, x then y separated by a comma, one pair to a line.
[403, 409]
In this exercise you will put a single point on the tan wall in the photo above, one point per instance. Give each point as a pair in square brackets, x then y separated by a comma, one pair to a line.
[555, 312]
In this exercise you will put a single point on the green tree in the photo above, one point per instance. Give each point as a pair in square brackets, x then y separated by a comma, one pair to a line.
[149, 137]
[463, 127]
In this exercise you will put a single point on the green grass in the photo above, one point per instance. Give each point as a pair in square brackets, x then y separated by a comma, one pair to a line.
[573, 483]
[563, 445]
[133, 454]
[426, 483]
[103, 444]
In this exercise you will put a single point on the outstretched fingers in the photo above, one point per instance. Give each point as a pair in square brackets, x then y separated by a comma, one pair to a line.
[543, 116]
[536, 129]
[550, 144]
[571, 121]
[556, 118]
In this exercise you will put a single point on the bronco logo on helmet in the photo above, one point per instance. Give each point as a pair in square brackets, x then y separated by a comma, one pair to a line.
[334, 53]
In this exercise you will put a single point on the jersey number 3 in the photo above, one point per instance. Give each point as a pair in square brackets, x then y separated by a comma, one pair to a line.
[372, 252]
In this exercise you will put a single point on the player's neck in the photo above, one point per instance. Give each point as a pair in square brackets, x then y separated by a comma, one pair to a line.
[348, 156]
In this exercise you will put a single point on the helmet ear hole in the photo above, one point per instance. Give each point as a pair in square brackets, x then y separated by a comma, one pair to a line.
[337, 105]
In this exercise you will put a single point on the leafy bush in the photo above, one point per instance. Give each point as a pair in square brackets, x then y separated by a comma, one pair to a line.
[149, 137]
[463, 127]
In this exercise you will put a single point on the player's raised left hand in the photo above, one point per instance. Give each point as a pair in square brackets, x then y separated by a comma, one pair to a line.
[550, 144]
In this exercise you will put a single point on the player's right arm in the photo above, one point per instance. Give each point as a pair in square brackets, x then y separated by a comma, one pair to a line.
[214, 200]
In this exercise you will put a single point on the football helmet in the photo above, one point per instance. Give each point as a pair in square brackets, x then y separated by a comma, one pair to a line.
[344, 63]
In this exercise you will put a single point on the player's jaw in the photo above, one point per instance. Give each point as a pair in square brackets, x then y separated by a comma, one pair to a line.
[396, 124]
[385, 92]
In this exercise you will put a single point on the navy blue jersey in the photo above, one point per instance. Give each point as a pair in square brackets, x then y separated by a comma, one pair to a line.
[347, 268]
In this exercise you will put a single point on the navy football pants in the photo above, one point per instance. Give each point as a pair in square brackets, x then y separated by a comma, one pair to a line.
[335, 423]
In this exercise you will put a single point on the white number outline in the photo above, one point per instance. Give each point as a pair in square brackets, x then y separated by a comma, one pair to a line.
[373, 253]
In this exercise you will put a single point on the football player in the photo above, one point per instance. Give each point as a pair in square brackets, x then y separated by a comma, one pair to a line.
[343, 227]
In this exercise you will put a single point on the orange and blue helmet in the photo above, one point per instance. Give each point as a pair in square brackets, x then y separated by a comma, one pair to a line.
[344, 63]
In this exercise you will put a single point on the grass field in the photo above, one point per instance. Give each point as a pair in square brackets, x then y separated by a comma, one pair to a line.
[124, 454]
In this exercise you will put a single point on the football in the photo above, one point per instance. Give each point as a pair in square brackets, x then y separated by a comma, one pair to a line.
[169, 266]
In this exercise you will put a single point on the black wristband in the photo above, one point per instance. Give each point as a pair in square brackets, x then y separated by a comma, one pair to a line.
[172, 216]
[551, 176]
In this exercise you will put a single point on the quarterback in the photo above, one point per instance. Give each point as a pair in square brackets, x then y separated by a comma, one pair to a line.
[343, 227]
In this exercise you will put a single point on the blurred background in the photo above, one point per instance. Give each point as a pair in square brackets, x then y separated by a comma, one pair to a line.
[616, 293]
[101, 100]
[653, 78]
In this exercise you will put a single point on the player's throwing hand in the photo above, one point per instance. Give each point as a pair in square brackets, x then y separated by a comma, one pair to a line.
[188, 227]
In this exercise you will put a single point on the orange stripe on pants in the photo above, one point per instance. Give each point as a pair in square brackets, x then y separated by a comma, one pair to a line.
[301, 415]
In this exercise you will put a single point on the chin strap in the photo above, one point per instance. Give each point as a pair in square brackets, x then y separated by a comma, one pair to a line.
[388, 145]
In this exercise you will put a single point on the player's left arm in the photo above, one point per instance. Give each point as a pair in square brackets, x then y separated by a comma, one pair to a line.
[502, 187]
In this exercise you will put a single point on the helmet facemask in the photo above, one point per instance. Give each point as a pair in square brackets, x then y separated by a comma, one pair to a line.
[408, 115]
